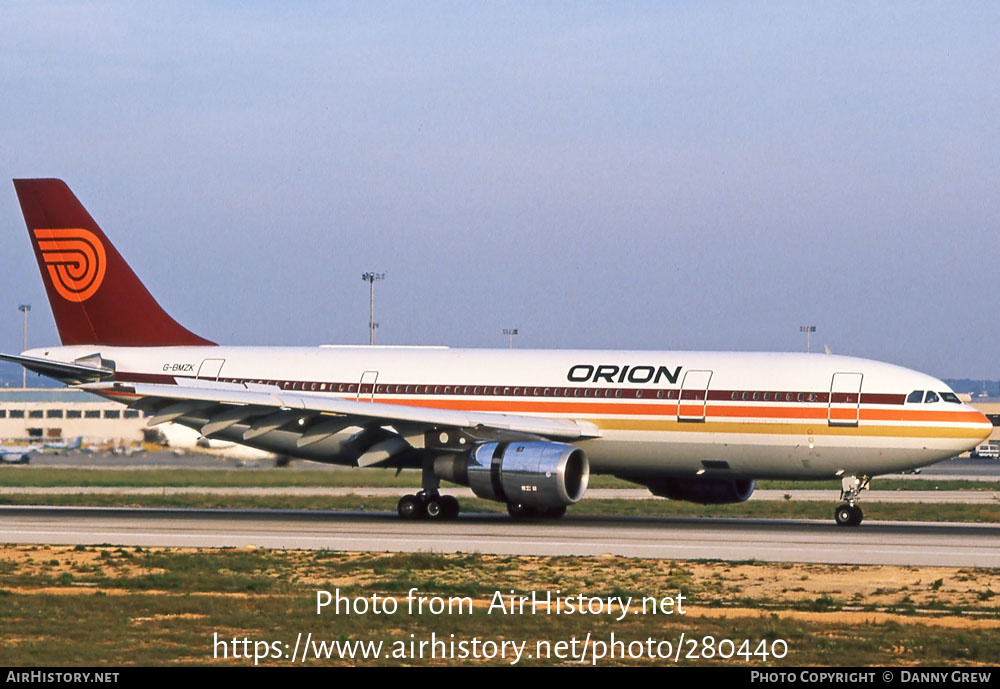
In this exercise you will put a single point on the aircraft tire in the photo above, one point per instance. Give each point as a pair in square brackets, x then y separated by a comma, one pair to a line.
[554, 512]
[411, 507]
[518, 510]
[451, 506]
[437, 509]
[848, 515]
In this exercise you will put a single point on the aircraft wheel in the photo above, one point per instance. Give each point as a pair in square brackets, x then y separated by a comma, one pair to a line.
[519, 510]
[451, 506]
[858, 516]
[437, 509]
[410, 507]
[848, 515]
[554, 512]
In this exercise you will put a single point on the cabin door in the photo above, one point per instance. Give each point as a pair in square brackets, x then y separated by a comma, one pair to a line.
[210, 369]
[694, 396]
[845, 399]
[366, 390]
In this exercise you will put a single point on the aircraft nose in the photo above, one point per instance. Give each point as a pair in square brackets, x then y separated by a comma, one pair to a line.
[983, 422]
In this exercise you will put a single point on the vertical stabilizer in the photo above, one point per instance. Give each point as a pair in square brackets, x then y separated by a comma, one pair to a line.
[94, 295]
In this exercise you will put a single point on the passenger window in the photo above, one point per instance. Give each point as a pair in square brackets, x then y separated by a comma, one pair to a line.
[931, 397]
[915, 397]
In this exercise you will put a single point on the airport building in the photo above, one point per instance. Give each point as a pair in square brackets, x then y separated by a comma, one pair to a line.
[59, 414]
[991, 408]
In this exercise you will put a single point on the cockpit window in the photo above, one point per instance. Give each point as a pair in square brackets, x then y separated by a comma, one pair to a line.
[950, 397]
[931, 397]
[915, 397]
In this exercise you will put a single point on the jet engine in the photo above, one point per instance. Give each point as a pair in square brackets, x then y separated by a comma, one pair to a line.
[706, 491]
[536, 474]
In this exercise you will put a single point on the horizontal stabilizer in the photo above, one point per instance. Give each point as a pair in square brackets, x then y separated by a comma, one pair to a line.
[68, 373]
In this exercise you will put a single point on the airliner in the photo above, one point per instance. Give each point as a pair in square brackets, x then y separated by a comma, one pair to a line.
[521, 427]
[181, 439]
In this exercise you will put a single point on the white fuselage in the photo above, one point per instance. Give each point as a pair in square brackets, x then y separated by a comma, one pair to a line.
[751, 415]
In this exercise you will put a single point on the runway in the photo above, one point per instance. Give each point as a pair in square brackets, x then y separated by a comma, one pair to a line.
[923, 496]
[889, 543]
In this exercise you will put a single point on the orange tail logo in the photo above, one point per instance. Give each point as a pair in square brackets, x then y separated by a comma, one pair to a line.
[75, 260]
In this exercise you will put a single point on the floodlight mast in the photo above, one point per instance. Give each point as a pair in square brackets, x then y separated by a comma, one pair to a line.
[510, 333]
[24, 308]
[371, 278]
[808, 330]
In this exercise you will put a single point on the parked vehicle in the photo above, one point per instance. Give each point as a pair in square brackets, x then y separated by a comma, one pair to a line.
[986, 452]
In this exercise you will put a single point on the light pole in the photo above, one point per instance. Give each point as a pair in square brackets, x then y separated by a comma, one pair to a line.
[370, 278]
[808, 330]
[24, 308]
[510, 333]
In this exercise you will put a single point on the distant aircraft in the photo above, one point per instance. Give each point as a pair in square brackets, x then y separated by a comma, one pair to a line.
[180, 437]
[522, 427]
[16, 454]
[56, 448]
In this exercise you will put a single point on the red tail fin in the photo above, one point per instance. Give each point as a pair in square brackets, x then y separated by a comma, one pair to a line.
[95, 296]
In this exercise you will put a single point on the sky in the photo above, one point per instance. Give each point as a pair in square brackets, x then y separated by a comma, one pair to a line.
[625, 175]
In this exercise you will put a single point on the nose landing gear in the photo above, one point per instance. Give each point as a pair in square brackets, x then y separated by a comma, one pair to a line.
[848, 513]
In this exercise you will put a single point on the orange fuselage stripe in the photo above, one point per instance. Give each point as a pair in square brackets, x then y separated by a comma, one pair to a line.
[749, 412]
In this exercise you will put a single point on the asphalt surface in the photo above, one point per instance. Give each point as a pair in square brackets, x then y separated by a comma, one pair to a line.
[889, 543]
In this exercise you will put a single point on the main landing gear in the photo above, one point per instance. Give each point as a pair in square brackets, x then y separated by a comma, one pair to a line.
[848, 513]
[428, 505]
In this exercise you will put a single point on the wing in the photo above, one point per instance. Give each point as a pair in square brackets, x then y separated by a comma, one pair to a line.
[327, 428]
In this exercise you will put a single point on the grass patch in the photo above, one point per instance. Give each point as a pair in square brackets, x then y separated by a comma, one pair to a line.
[118, 617]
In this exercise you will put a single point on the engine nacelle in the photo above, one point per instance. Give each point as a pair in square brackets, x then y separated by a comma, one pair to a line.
[706, 491]
[532, 473]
